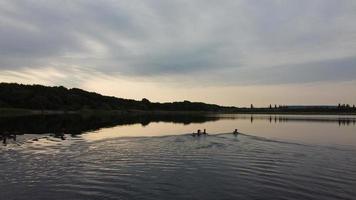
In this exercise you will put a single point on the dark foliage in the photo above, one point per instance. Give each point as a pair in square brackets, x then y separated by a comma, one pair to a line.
[77, 124]
[40, 97]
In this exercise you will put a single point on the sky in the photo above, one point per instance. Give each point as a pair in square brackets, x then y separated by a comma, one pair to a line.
[228, 52]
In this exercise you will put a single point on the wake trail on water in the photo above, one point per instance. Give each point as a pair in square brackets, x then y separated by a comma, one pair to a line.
[185, 137]
[265, 139]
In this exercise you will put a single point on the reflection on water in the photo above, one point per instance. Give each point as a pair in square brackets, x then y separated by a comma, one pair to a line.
[341, 120]
[116, 157]
[5, 136]
[60, 125]
[76, 124]
[318, 129]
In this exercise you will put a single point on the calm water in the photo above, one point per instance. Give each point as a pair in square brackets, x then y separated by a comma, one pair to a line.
[276, 157]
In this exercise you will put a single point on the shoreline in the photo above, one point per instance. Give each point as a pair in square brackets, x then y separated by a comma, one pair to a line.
[13, 112]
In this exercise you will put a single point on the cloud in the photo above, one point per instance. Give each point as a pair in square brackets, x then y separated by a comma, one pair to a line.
[331, 70]
[230, 42]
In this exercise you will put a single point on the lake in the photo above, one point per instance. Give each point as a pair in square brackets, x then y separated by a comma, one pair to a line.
[156, 157]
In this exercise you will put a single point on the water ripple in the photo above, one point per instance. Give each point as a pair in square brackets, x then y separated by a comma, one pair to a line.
[176, 167]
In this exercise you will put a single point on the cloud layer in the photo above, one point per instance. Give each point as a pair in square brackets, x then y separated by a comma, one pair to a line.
[229, 42]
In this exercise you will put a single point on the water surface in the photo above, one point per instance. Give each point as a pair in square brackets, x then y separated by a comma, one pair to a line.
[276, 157]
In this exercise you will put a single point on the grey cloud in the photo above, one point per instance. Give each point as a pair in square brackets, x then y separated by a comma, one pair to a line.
[153, 38]
[328, 70]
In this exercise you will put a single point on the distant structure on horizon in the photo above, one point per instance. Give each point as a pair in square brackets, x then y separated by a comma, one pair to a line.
[307, 106]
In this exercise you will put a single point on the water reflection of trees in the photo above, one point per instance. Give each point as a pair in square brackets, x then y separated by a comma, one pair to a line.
[4, 137]
[76, 124]
[342, 121]
[60, 125]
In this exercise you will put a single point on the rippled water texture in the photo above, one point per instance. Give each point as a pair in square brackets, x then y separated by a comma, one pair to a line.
[218, 166]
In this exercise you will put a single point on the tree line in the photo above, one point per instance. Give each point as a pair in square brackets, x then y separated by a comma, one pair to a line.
[38, 97]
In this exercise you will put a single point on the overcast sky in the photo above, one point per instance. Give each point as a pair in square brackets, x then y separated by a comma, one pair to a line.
[230, 52]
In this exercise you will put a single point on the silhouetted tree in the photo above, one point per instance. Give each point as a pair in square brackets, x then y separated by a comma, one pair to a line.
[144, 100]
[39, 97]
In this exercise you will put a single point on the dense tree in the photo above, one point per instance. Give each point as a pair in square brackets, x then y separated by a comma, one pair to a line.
[60, 98]
[39, 97]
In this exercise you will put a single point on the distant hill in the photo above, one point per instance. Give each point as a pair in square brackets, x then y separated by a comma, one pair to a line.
[38, 97]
